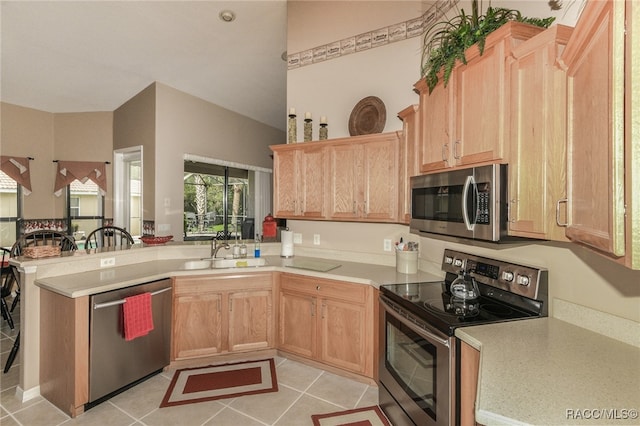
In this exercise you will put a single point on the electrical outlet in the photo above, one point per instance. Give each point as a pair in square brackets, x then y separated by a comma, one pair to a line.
[387, 245]
[316, 239]
[297, 238]
[107, 261]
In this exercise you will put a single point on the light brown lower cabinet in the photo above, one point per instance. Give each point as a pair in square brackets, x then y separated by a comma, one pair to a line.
[328, 321]
[64, 351]
[220, 314]
[469, 367]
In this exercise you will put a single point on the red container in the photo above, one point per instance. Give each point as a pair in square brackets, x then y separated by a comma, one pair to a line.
[269, 227]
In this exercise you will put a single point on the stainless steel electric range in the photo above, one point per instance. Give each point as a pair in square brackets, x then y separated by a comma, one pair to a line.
[419, 364]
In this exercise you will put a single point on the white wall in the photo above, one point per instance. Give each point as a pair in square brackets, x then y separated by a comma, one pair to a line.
[333, 87]
[186, 124]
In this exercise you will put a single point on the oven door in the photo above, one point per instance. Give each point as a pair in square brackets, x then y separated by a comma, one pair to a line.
[415, 369]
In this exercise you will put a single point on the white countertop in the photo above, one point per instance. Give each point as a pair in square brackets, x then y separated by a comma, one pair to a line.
[549, 372]
[106, 279]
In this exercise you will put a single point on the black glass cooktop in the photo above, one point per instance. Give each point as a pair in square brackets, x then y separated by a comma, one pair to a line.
[432, 302]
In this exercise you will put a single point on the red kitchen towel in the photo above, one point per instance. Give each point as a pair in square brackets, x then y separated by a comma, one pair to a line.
[138, 318]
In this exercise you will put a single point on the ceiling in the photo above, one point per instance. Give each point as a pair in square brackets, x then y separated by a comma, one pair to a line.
[60, 56]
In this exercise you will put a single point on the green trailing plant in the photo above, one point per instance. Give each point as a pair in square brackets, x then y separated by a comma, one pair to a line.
[446, 41]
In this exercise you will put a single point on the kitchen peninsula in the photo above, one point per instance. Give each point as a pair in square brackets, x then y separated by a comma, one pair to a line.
[70, 280]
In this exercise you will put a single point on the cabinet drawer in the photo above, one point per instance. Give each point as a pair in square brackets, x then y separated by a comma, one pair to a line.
[321, 287]
[208, 283]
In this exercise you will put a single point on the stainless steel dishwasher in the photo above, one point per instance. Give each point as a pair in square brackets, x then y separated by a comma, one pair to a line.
[114, 363]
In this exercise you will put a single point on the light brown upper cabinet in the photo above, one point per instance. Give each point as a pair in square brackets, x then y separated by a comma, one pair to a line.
[537, 159]
[364, 178]
[300, 172]
[601, 62]
[466, 123]
[409, 160]
[434, 150]
[350, 179]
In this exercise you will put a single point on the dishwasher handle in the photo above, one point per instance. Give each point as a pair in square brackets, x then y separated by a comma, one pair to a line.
[121, 301]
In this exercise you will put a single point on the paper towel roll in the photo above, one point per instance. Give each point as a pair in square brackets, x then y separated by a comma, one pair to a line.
[287, 244]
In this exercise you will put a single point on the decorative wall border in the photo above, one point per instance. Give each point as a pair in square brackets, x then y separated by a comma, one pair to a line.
[372, 39]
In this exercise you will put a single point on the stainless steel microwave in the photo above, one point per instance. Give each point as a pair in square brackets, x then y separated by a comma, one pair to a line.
[466, 203]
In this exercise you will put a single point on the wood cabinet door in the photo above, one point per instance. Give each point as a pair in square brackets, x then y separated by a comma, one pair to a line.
[469, 369]
[594, 58]
[297, 331]
[435, 148]
[632, 133]
[380, 180]
[250, 320]
[312, 174]
[409, 160]
[537, 161]
[197, 326]
[480, 110]
[343, 335]
[285, 186]
[345, 169]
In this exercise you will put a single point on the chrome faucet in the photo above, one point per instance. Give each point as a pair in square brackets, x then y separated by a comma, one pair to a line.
[225, 246]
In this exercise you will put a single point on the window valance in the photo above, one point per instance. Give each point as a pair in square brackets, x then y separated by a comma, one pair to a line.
[68, 171]
[17, 168]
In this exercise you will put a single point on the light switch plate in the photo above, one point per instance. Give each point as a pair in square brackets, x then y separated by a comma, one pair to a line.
[316, 239]
[387, 245]
[297, 238]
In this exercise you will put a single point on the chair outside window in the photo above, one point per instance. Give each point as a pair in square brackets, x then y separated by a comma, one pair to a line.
[109, 236]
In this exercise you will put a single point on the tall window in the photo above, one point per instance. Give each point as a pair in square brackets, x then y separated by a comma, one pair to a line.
[85, 209]
[216, 202]
[10, 210]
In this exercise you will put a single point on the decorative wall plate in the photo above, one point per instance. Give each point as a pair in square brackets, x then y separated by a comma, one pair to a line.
[368, 116]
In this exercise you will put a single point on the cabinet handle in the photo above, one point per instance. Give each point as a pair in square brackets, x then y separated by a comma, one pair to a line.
[318, 287]
[512, 203]
[445, 152]
[560, 201]
[324, 308]
[455, 150]
[313, 307]
[364, 208]
[219, 307]
[354, 208]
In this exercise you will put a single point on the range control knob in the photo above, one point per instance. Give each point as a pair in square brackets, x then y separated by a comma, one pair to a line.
[507, 276]
[448, 260]
[523, 280]
[457, 262]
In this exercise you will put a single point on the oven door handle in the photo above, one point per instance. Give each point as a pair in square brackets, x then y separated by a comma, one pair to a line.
[418, 330]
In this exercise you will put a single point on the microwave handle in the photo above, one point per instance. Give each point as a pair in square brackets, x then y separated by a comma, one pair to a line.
[468, 184]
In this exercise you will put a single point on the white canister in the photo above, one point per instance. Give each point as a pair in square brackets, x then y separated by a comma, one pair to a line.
[286, 249]
[407, 262]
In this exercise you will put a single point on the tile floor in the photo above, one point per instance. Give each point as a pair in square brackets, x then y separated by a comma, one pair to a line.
[303, 391]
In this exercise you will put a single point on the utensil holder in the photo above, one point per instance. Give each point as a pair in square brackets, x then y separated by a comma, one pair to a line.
[407, 262]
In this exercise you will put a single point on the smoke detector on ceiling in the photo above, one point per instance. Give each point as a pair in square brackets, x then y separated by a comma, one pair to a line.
[227, 16]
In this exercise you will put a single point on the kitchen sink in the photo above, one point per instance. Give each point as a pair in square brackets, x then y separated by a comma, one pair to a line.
[239, 263]
[197, 264]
